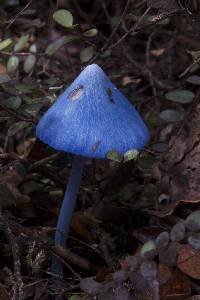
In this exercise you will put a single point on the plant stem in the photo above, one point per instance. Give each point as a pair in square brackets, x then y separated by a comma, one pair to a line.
[66, 210]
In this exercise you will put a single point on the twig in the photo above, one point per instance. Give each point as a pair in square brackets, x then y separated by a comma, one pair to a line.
[74, 259]
[132, 30]
[18, 14]
[10, 111]
[148, 45]
[117, 26]
[43, 161]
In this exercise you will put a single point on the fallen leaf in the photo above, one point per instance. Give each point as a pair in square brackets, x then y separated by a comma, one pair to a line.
[177, 287]
[189, 261]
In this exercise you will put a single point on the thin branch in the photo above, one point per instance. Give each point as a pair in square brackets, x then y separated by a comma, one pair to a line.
[133, 29]
[18, 15]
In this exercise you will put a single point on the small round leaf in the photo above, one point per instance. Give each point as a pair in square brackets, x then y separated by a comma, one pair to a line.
[180, 96]
[86, 54]
[12, 64]
[171, 115]
[63, 17]
[29, 63]
[194, 79]
[91, 32]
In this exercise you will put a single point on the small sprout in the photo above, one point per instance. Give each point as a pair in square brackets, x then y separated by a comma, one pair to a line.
[77, 93]
[162, 240]
[192, 221]
[148, 250]
[177, 233]
[96, 145]
[63, 17]
[194, 240]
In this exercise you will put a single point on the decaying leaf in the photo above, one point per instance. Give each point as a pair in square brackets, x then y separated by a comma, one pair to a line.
[177, 287]
[189, 261]
[180, 174]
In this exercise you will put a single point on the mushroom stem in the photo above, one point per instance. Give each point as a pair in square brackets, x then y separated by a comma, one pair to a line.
[67, 209]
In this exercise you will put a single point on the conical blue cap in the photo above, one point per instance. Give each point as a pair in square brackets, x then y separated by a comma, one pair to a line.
[91, 118]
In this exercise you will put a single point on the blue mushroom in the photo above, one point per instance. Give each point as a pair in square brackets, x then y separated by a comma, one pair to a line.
[90, 119]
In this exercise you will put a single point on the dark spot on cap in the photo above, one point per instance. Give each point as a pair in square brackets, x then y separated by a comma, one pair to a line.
[96, 145]
[109, 92]
[76, 93]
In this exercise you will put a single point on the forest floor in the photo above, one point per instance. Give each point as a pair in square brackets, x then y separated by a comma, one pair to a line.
[135, 232]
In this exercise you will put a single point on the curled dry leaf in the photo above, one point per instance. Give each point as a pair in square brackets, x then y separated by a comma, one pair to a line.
[189, 261]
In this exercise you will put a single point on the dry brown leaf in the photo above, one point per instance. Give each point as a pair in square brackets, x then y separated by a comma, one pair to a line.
[179, 175]
[189, 261]
[178, 287]
[164, 274]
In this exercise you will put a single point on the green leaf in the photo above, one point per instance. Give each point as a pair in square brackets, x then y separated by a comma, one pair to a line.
[131, 154]
[29, 63]
[12, 64]
[63, 17]
[86, 54]
[171, 115]
[11, 102]
[91, 32]
[4, 44]
[22, 43]
[33, 49]
[180, 96]
[114, 155]
[4, 78]
[17, 127]
[32, 109]
[54, 46]
[24, 88]
[194, 79]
